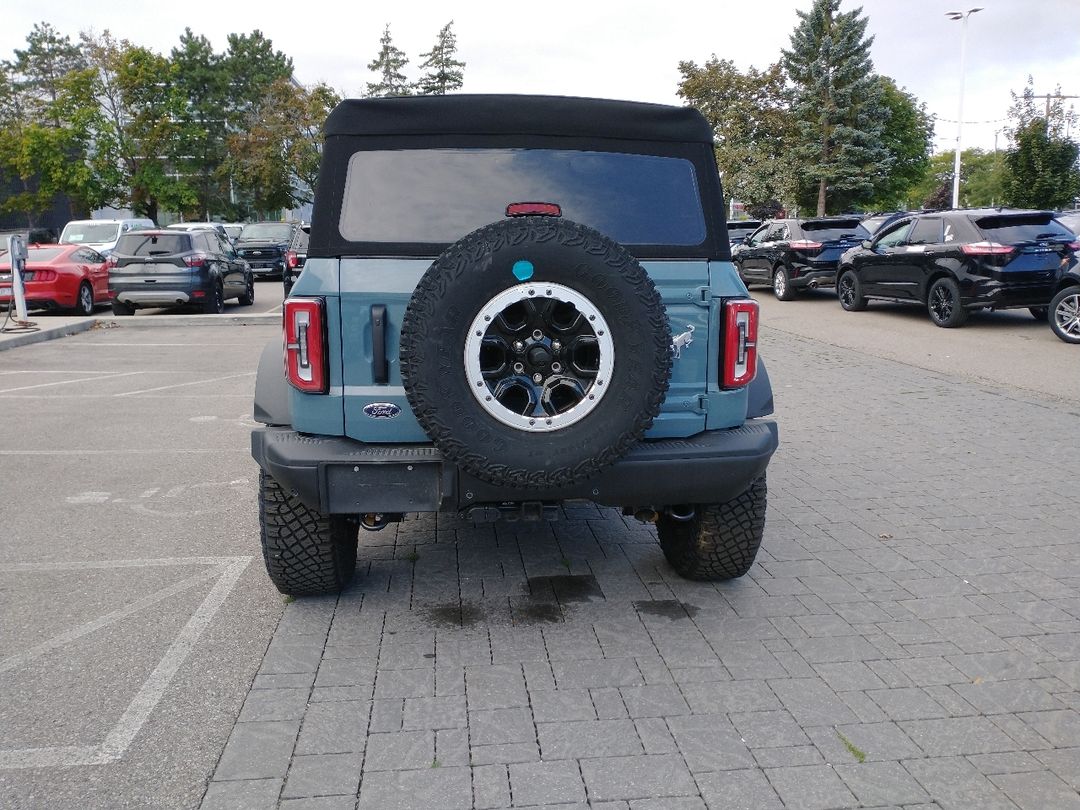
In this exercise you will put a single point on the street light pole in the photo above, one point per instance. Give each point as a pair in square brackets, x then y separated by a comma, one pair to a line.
[963, 17]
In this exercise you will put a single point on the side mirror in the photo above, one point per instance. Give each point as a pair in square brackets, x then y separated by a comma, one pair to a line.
[867, 244]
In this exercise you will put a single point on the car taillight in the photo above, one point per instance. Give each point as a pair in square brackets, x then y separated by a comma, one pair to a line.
[291, 260]
[305, 345]
[740, 343]
[805, 244]
[986, 249]
[195, 260]
[42, 275]
[1074, 246]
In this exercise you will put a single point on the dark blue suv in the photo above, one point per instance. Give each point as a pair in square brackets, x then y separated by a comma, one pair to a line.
[509, 302]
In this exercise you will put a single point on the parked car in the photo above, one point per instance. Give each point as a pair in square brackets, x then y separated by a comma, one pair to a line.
[59, 277]
[264, 244]
[232, 230]
[295, 258]
[953, 262]
[501, 337]
[201, 226]
[101, 234]
[739, 229]
[163, 268]
[1064, 314]
[796, 254]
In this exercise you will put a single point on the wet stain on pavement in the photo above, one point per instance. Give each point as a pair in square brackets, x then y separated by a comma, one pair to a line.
[565, 588]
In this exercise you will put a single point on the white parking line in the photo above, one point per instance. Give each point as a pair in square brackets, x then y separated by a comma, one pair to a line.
[138, 711]
[123, 452]
[182, 385]
[68, 382]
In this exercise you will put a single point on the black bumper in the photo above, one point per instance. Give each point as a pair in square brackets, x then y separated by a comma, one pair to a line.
[343, 476]
[813, 277]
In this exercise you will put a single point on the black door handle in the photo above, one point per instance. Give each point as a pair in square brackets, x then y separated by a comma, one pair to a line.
[380, 372]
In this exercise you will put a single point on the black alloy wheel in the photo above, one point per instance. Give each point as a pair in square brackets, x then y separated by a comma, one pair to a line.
[943, 304]
[215, 301]
[849, 291]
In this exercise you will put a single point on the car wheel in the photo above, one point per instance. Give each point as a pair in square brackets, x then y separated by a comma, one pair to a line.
[849, 291]
[1065, 314]
[84, 301]
[120, 308]
[718, 541]
[943, 304]
[248, 296]
[550, 322]
[781, 285]
[305, 551]
[215, 302]
[1039, 313]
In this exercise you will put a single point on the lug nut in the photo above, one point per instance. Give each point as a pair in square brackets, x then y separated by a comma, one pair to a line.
[518, 346]
[556, 346]
[556, 367]
[519, 367]
[538, 377]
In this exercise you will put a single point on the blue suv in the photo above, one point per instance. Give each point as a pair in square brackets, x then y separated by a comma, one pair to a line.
[510, 302]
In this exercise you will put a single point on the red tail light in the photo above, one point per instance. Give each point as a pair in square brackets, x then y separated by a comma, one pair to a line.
[740, 343]
[44, 275]
[195, 260]
[305, 345]
[1074, 246]
[291, 260]
[535, 209]
[986, 249]
[806, 244]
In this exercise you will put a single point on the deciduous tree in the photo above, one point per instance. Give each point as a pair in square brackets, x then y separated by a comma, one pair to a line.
[1041, 168]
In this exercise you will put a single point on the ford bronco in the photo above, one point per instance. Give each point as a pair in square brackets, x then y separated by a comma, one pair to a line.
[510, 302]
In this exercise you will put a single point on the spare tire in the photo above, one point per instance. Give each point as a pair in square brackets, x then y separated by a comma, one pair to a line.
[535, 352]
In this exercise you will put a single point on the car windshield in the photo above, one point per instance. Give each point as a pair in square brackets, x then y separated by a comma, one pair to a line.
[81, 233]
[266, 230]
[432, 196]
[1017, 228]
[233, 231]
[153, 244]
[828, 230]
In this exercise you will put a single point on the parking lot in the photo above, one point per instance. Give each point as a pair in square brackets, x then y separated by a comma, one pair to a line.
[910, 635]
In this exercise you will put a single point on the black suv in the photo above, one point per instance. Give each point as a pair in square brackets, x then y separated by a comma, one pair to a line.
[955, 261]
[295, 258]
[510, 302]
[794, 254]
[175, 268]
[739, 229]
[264, 245]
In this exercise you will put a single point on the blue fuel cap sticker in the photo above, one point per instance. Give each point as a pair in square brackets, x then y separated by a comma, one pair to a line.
[523, 270]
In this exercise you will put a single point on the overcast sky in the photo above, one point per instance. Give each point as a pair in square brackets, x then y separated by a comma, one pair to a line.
[626, 49]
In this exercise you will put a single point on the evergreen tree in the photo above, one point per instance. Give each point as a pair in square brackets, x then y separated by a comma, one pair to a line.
[388, 65]
[42, 67]
[837, 106]
[443, 73]
[1041, 168]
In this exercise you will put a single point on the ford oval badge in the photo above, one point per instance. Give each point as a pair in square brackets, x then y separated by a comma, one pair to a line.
[382, 410]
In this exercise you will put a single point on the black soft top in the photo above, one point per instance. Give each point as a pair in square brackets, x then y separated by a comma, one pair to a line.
[518, 115]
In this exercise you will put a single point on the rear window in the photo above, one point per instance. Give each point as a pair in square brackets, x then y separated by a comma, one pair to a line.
[1014, 229]
[439, 195]
[835, 229]
[81, 233]
[158, 244]
[1070, 221]
[267, 230]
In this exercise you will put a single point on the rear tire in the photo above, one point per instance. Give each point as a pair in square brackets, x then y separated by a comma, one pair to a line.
[122, 309]
[849, 291]
[721, 540]
[943, 304]
[248, 297]
[306, 553]
[215, 302]
[781, 285]
[84, 300]
[1065, 314]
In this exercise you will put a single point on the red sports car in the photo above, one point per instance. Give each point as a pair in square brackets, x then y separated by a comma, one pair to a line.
[67, 277]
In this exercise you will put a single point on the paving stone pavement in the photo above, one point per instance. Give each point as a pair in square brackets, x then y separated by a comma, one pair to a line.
[909, 636]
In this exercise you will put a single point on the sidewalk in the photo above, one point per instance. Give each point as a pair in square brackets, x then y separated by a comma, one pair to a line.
[50, 327]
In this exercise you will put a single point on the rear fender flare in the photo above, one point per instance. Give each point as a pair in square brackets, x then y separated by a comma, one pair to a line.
[759, 394]
[272, 405]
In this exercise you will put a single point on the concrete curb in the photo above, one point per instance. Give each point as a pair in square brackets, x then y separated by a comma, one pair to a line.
[134, 322]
